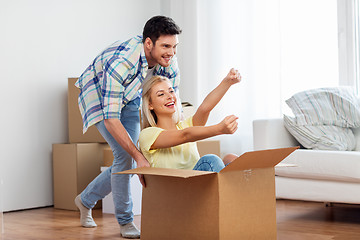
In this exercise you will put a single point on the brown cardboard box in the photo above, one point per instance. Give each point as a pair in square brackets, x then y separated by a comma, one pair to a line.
[76, 135]
[204, 147]
[188, 109]
[237, 203]
[208, 146]
[108, 157]
[74, 167]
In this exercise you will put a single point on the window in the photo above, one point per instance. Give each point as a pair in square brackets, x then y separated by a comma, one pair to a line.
[357, 44]
[349, 43]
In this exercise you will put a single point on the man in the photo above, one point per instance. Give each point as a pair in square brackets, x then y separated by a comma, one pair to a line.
[110, 93]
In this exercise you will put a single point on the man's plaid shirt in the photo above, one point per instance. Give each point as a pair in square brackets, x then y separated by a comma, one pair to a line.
[114, 78]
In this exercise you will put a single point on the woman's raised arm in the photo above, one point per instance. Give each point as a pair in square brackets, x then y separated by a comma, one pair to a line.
[213, 98]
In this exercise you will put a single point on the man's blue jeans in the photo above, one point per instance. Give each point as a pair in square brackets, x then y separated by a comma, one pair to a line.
[118, 184]
[209, 162]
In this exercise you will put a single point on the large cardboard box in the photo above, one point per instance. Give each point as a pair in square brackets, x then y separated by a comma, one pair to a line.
[76, 135]
[108, 157]
[237, 203]
[74, 167]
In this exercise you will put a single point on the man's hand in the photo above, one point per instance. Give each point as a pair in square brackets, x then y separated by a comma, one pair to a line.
[117, 130]
[142, 162]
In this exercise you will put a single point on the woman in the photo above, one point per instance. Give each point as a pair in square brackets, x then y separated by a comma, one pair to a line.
[167, 142]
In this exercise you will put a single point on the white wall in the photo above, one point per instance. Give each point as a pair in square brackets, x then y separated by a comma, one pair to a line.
[184, 13]
[42, 44]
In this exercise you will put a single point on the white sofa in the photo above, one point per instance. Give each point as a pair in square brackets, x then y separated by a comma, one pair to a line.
[319, 175]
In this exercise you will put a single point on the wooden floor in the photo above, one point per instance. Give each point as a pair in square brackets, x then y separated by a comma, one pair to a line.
[296, 220]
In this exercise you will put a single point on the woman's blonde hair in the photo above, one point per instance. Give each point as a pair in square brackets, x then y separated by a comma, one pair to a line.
[148, 117]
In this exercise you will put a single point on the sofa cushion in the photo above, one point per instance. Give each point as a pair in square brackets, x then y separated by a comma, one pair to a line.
[324, 137]
[317, 190]
[326, 106]
[322, 164]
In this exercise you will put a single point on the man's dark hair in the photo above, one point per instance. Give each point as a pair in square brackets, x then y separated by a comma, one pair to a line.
[160, 25]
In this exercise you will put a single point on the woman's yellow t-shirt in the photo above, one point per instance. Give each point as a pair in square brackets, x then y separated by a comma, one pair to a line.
[183, 156]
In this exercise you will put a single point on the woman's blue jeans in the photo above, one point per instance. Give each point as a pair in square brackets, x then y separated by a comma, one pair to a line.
[118, 184]
[209, 162]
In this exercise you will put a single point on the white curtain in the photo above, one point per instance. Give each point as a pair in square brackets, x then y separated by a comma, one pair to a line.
[279, 46]
[243, 35]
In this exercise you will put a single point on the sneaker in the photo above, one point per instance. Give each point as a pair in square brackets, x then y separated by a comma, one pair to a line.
[86, 219]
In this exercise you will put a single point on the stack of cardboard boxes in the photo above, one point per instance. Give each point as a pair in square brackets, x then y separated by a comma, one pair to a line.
[78, 162]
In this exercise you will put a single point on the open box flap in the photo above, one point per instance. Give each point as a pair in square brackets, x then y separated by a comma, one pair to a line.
[259, 159]
[181, 173]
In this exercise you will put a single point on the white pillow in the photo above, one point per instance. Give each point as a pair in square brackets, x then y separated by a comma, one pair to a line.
[326, 106]
[322, 137]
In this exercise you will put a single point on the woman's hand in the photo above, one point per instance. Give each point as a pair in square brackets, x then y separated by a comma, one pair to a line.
[232, 77]
[229, 125]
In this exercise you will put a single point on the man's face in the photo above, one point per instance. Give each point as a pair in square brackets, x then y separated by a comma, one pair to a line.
[162, 50]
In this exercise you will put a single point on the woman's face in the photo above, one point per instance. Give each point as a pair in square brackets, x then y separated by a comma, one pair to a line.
[163, 98]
